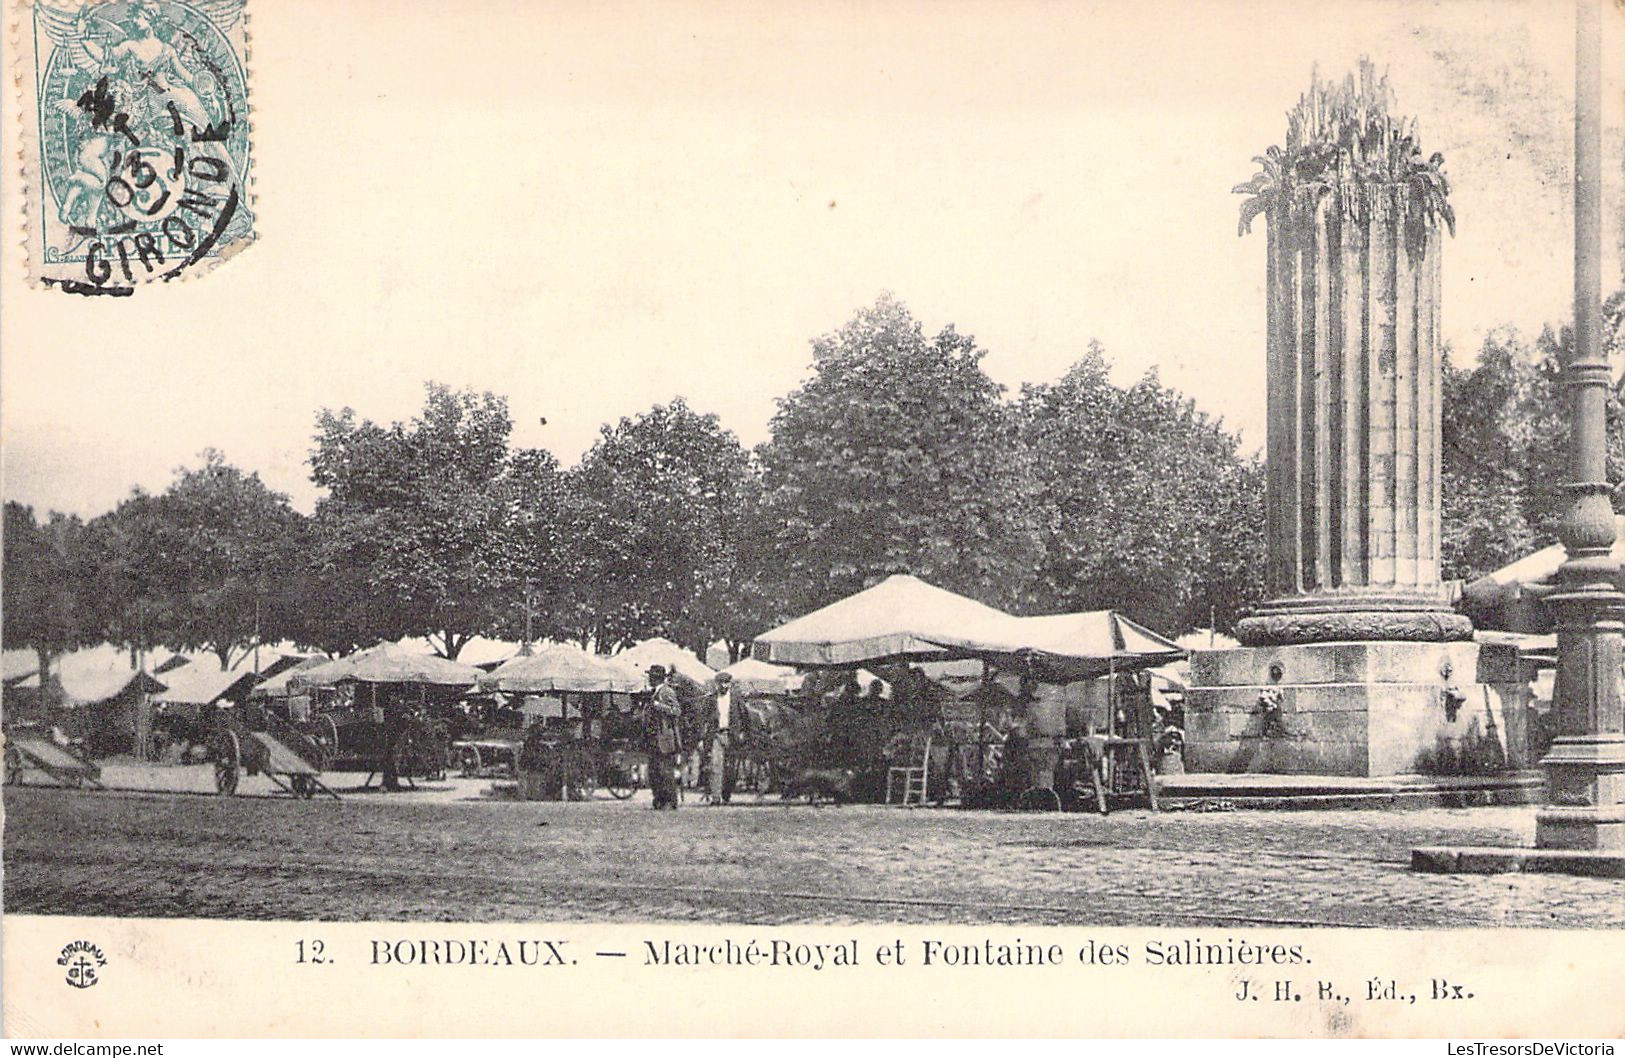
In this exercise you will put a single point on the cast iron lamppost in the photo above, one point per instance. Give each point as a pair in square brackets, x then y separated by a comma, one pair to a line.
[1581, 828]
[1585, 769]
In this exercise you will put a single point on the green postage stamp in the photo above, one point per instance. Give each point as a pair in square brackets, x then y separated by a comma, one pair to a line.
[136, 139]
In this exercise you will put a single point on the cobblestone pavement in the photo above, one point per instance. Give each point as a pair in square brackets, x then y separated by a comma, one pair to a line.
[148, 854]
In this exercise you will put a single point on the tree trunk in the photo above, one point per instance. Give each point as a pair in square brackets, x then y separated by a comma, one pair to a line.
[47, 692]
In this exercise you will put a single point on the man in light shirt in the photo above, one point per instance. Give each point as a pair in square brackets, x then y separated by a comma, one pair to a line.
[724, 716]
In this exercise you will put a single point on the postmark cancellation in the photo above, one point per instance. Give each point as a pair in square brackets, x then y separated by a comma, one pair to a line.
[136, 152]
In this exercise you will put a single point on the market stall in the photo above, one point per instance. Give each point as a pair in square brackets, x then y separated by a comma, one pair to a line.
[385, 711]
[903, 621]
[581, 729]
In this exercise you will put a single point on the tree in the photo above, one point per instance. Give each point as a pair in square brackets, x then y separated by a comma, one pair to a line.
[218, 543]
[898, 455]
[535, 544]
[1149, 505]
[1504, 433]
[741, 594]
[412, 534]
[122, 602]
[44, 582]
[199, 566]
[1491, 446]
[655, 519]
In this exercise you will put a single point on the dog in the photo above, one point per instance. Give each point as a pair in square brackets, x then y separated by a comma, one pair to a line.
[812, 783]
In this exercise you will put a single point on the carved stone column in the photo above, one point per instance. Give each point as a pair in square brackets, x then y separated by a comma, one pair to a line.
[1353, 401]
[1358, 665]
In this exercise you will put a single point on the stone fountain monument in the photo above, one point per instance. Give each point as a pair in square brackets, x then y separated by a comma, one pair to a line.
[1358, 664]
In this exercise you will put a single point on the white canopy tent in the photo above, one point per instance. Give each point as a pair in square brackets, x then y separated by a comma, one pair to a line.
[759, 677]
[667, 654]
[562, 667]
[388, 663]
[905, 619]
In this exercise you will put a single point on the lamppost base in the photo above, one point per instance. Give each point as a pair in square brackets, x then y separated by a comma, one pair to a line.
[1488, 859]
[1585, 792]
[1583, 829]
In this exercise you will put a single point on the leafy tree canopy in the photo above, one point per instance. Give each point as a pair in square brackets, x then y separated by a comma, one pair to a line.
[898, 455]
[200, 566]
[47, 584]
[1148, 505]
[1504, 436]
[655, 522]
[412, 536]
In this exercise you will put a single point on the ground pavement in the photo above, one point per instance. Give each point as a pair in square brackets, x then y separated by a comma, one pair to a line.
[448, 853]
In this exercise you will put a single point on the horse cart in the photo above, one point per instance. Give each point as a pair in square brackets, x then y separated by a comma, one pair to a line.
[269, 747]
[383, 711]
[28, 752]
[491, 754]
[399, 741]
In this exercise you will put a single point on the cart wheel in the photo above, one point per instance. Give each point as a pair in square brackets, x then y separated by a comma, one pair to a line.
[1038, 799]
[622, 782]
[228, 762]
[328, 736]
[304, 786]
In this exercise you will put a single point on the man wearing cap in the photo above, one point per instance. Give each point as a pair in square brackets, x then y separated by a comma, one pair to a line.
[660, 724]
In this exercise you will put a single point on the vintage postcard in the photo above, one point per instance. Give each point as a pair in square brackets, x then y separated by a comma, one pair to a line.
[784, 519]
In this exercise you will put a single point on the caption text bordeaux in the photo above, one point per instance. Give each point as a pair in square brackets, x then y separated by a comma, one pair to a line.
[779, 952]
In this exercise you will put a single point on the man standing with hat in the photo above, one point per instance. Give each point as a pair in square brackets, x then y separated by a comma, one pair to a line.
[660, 725]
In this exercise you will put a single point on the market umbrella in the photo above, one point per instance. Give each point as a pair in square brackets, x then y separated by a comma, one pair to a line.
[669, 655]
[905, 619]
[758, 677]
[561, 667]
[1063, 648]
[397, 666]
[388, 663]
[900, 619]
[328, 673]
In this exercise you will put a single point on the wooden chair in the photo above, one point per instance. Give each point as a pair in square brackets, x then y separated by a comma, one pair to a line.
[911, 778]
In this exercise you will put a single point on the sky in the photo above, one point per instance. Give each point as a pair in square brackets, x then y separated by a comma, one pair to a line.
[593, 208]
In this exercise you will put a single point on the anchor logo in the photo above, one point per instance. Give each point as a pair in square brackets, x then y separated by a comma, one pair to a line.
[82, 959]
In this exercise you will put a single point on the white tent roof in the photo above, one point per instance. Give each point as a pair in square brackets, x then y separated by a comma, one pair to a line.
[199, 682]
[562, 667]
[759, 677]
[1537, 568]
[390, 663]
[278, 686]
[17, 663]
[1091, 634]
[1207, 639]
[902, 617]
[664, 652]
[1542, 565]
[95, 674]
